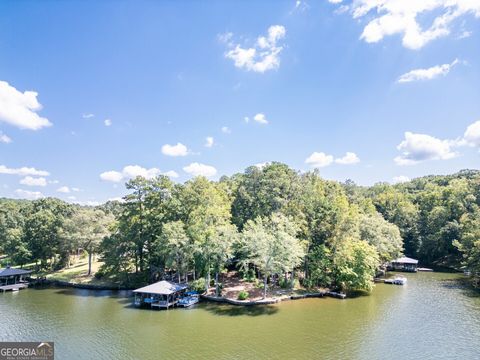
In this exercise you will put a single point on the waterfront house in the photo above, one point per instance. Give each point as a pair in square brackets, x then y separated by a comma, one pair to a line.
[403, 264]
[162, 294]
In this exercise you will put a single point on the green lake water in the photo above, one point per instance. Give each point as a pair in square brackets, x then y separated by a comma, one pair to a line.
[432, 317]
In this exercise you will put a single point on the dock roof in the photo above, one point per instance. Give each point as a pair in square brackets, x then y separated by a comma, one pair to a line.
[161, 288]
[405, 260]
[8, 271]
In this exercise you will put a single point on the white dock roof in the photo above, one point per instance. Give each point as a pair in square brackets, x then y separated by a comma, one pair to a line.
[405, 260]
[161, 288]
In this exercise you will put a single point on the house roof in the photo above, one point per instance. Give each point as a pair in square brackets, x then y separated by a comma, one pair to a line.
[161, 288]
[405, 260]
[12, 272]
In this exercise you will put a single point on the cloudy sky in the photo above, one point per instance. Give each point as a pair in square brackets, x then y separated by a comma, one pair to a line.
[93, 93]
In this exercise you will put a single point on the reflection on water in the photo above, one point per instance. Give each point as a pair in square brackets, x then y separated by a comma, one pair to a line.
[433, 317]
[228, 310]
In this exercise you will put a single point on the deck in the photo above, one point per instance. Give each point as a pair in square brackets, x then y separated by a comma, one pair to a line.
[13, 287]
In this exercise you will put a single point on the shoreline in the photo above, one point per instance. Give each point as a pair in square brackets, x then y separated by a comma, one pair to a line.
[271, 301]
[220, 300]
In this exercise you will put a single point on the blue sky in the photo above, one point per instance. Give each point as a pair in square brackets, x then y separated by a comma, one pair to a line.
[380, 93]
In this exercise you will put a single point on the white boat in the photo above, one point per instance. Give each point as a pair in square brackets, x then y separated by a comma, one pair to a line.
[397, 280]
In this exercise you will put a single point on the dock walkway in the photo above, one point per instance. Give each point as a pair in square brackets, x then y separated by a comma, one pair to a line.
[13, 287]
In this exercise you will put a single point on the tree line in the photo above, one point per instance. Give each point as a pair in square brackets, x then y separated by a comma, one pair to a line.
[270, 222]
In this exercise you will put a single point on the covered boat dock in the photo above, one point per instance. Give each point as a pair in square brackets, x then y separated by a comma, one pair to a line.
[13, 279]
[403, 264]
[162, 294]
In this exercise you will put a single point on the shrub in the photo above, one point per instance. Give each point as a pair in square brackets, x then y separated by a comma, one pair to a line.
[198, 285]
[99, 274]
[243, 295]
[250, 276]
[288, 284]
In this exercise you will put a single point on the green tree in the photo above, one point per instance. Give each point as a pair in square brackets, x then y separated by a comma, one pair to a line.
[384, 236]
[356, 263]
[205, 209]
[85, 228]
[272, 245]
[469, 242]
[177, 247]
[263, 190]
[15, 248]
[43, 228]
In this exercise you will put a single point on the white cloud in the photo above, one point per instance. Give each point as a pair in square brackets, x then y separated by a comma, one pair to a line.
[319, 159]
[31, 181]
[406, 18]
[20, 109]
[29, 195]
[226, 38]
[87, 116]
[175, 150]
[226, 130]
[349, 159]
[107, 122]
[465, 34]
[209, 141]
[75, 189]
[113, 176]
[301, 6]
[129, 172]
[23, 171]
[472, 134]
[264, 55]
[260, 118]
[132, 171]
[63, 189]
[4, 139]
[88, 203]
[427, 74]
[420, 147]
[400, 179]
[171, 174]
[262, 165]
[197, 169]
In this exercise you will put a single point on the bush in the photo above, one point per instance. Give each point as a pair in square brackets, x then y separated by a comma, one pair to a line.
[250, 276]
[198, 285]
[243, 295]
[287, 284]
[99, 274]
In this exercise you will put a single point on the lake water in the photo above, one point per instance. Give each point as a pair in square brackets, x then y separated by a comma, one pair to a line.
[430, 318]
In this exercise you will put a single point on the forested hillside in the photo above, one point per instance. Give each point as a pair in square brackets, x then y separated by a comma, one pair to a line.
[268, 221]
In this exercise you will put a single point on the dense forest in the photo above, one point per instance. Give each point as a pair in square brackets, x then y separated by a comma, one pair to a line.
[270, 222]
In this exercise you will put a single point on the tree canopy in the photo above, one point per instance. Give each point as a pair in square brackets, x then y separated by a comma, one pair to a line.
[271, 218]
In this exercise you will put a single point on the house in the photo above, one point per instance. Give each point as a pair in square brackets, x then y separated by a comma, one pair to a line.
[403, 264]
[162, 294]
